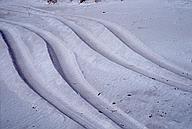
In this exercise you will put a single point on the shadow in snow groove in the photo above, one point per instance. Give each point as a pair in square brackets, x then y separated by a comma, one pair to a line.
[14, 60]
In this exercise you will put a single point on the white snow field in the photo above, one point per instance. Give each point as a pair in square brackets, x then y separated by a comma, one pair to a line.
[105, 65]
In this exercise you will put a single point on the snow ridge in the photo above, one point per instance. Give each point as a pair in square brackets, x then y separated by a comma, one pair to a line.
[132, 42]
[64, 61]
[55, 96]
[74, 77]
[96, 45]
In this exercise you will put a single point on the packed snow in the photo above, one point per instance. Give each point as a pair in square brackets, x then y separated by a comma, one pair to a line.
[109, 64]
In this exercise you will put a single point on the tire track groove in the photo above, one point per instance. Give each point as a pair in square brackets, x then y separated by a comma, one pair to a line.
[95, 44]
[131, 41]
[37, 83]
[75, 78]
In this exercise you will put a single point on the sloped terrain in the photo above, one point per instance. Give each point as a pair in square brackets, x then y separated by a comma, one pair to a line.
[63, 70]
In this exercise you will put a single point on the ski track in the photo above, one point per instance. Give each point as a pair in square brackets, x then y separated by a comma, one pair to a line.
[91, 41]
[74, 77]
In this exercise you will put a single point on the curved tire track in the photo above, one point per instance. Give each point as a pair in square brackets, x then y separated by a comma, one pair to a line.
[132, 42]
[95, 44]
[52, 95]
[139, 47]
[74, 77]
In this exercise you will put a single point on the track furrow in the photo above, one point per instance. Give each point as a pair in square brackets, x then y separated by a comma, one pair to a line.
[89, 69]
[74, 77]
[104, 51]
[55, 96]
[132, 42]
[96, 45]
[99, 47]
[139, 47]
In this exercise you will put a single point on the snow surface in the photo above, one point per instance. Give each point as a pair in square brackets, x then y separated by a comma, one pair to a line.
[62, 67]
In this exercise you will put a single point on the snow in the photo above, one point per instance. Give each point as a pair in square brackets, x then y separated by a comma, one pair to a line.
[96, 65]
